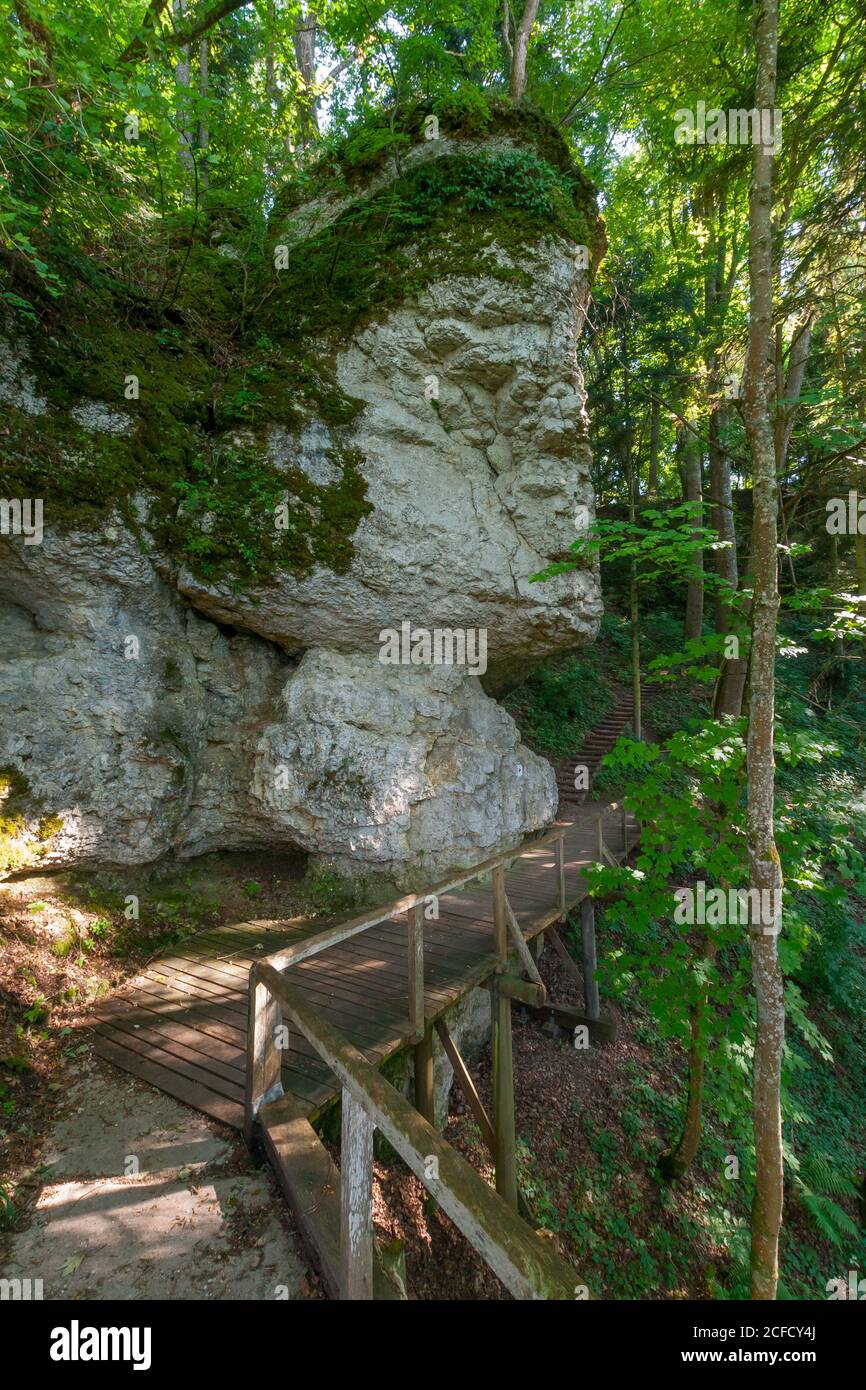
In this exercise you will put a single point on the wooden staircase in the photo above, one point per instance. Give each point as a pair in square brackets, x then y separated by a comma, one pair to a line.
[597, 742]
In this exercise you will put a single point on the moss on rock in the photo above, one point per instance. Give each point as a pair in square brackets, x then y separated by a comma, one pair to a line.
[21, 846]
[176, 404]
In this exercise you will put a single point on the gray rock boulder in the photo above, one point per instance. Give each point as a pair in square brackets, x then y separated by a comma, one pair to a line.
[192, 655]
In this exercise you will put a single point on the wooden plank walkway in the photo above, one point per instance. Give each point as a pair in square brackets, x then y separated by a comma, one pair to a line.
[181, 1024]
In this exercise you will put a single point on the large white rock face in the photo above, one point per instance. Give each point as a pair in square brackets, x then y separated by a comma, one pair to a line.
[471, 493]
[130, 716]
[386, 765]
[148, 731]
[158, 713]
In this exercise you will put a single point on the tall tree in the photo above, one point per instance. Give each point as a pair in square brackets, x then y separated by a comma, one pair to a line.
[517, 79]
[765, 873]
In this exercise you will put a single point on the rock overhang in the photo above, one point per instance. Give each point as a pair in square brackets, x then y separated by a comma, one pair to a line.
[430, 457]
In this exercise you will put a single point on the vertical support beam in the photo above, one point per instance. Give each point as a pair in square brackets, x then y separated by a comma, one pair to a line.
[590, 984]
[503, 1096]
[356, 1201]
[416, 971]
[264, 1058]
[600, 842]
[424, 1076]
[500, 917]
[560, 874]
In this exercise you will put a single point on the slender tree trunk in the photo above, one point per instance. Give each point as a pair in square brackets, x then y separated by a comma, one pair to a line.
[184, 119]
[859, 550]
[833, 564]
[694, 492]
[632, 484]
[722, 519]
[635, 619]
[731, 684]
[765, 873]
[655, 431]
[304, 39]
[676, 1164]
[203, 128]
[517, 82]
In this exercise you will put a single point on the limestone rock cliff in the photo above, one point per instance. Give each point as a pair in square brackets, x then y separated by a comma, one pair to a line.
[394, 434]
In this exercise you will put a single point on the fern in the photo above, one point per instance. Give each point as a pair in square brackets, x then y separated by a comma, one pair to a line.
[816, 1185]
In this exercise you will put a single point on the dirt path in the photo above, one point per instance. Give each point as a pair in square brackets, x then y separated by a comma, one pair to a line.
[144, 1198]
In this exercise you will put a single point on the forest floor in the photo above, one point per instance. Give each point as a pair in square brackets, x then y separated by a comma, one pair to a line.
[108, 1188]
[139, 1197]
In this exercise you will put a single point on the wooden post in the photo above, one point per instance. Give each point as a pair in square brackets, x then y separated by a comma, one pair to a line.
[416, 971]
[466, 1084]
[600, 842]
[560, 872]
[424, 1076]
[500, 916]
[503, 1097]
[522, 949]
[264, 1058]
[356, 1201]
[590, 985]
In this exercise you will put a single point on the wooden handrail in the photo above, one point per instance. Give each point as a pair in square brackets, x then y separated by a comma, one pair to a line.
[526, 1263]
[350, 926]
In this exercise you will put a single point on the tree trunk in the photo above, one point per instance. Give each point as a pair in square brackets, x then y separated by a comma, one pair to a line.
[676, 1164]
[203, 129]
[694, 492]
[860, 562]
[517, 83]
[184, 119]
[731, 684]
[722, 519]
[655, 431]
[765, 872]
[833, 563]
[304, 39]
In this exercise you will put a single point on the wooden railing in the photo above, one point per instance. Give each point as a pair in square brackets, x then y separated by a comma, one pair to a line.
[413, 904]
[604, 854]
[525, 1262]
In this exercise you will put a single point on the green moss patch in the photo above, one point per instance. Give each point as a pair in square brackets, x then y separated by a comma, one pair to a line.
[19, 846]
[442, 218]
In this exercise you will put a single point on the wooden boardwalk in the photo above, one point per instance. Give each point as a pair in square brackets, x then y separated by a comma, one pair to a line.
[181, 1024]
